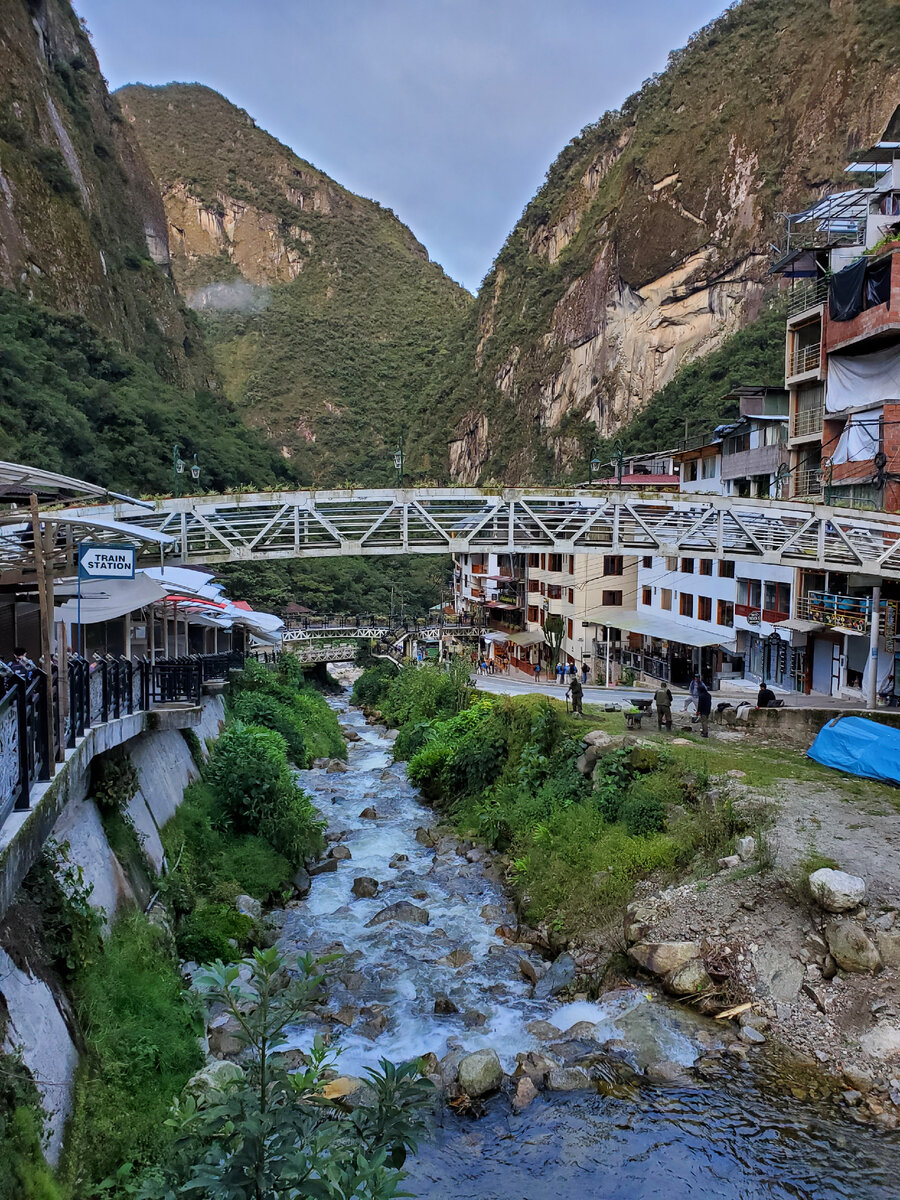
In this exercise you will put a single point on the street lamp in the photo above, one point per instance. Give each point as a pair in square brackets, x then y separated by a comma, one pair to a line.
[177, 467]
[594, 467]
[398, 463]
[619, 451]
[195, 470]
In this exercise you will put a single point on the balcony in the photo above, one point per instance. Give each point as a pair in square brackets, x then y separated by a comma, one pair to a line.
[842, 612]
[808, 484]
[807, 422]
[807, 295]
[806, 358]
[754, 615]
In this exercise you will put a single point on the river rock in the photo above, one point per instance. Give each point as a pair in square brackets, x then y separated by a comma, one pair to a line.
[851, 948]
[444, 1006]
[425, 837]
[368, 814]
[301, 882]
[524, 1094]
[456, 959]
[561, 973]
[836, 891]
[663, 958]
[888, 947]
[213, 1081]
[536, 1065]
[341, 853]
[223, 1036]
[745, 848]
[374, 1027]
[365, 887]
[751, 1036]
[689, 980]
[531, 971]
[480, 1073]
[336, 767]
[411, 914]
[323, 866]
[665, 1072]
[568, 1079]
[492, 912]
[638, 922]
[543, 1031]
[248, 907]
[346, 1015]
[581, 1029]
[730, 861]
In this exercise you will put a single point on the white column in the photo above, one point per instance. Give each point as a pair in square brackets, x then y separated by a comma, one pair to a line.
[872, 678]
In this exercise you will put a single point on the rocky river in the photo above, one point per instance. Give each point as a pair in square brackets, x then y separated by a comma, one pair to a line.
[633, 1097]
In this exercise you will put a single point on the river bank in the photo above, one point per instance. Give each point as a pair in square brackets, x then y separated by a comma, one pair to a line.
[432, 965]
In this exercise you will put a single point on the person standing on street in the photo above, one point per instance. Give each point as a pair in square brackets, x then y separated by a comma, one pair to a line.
[537, 672]
[584, 674]
[663, 698]
[704, 704]
[559, 673]
[577, 695]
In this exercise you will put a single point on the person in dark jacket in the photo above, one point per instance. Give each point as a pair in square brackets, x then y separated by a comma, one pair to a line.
[704, 704]
[766, 697]
[663, 698]
[574, 690]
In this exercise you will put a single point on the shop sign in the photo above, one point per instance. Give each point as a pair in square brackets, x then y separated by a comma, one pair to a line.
[890, 625]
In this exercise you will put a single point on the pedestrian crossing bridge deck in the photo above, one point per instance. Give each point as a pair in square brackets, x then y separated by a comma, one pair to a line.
[242, 527]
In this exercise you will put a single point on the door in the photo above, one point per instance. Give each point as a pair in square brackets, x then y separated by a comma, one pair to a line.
[826, 672]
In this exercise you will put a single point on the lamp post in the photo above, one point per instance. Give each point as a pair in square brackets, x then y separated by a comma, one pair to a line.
[828, 468]
[619, 452]
[195, 469]
[398, 463]
[594, 465]
[177, 468]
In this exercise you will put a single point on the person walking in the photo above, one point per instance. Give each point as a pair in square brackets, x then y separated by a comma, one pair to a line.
[560, 669]
[574, 690]
[584, 674]
[663, 698]
[704, 705]
[690, 701]
[537, 672]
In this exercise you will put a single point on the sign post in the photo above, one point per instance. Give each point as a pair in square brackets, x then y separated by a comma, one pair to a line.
[101, 562]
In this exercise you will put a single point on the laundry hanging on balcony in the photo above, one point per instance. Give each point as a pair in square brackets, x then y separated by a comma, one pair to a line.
[845, 292]
[861, 439]
[858, 381]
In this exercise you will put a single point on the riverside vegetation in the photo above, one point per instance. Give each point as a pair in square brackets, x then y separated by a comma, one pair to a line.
[243, 829]
[506, 770]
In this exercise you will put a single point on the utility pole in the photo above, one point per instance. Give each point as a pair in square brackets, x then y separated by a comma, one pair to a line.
[874, 622]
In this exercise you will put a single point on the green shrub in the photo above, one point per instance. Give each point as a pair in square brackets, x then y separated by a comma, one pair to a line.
[411, 739]
[209, 933]
[372, 685]
[427, 770]
[114, 781]
[24, 1175]
[321, 728]
[141, 1049]
[477, 760]
[643, 812]
[259, 708]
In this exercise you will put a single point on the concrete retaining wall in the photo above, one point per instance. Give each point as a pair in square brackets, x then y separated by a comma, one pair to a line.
[799, 726]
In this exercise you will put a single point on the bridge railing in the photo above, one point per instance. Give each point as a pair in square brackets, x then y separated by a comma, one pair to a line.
[97, 692]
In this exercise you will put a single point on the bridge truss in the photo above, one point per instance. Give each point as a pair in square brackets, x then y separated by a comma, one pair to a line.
[207, 530]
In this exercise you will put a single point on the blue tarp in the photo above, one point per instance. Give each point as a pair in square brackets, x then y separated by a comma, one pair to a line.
[860, 747]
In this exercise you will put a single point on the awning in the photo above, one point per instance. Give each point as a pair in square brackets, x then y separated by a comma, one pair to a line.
[656, 626]
[497, 637]
[530, 637]
[500, 604]
[105, 600]
[183, 579]
[799, 625]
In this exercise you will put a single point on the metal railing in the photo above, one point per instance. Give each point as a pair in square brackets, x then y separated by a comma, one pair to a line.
[806, 358]
[98, 691]
[647, 664]
[806, 421]
[808, 483]
[830, 608]
[807, 295]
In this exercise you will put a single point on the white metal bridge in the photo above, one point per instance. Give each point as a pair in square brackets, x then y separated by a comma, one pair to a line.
[255, 526]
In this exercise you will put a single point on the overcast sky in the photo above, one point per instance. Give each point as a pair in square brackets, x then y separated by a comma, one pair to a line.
[447, 111]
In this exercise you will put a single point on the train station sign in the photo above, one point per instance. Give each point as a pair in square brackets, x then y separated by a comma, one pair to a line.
[105, 562]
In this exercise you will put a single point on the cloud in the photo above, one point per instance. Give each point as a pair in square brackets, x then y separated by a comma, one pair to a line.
[236, 297]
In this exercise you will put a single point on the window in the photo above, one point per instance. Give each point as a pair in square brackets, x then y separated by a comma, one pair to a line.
[647, 562]
[543, 562]
[571, 595]
[569, 629]
[534, 560]
[686, 604]
[709, 467]
[612, 599]
[706, 566]
[665, 599]
[532, 612]
[542, 618]
[726, 570]
[646, 596]
[737, 444]
[704, 608]
[534, 585]
[554, 562]
[612, 564]
[687, 566]
[777, 598]
[725, 613]
[749, 592]
[773, 433]
[571, 564]
[543, 589]
[671, 564]
[554, 591]
[690, 471]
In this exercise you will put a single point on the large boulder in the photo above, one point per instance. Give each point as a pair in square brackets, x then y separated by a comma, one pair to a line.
[302, 882]
[851, 948]
[836, 891]
[365, 887]
[526, 1091]
[561, 973]
[597, 737]
[224, 1036]
[411, 914]
[567, 1079]
[480, 1073]
[323, 867]
[213, 1081]
[248, 907]
[341, 853]
[889, 947]
[663, 958]
[588, 760]
[689, 980]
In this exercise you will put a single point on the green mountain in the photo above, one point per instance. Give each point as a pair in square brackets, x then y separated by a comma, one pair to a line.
[324, 314]
[649, 243]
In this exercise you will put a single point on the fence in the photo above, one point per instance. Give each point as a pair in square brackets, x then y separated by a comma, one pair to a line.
[98, 691]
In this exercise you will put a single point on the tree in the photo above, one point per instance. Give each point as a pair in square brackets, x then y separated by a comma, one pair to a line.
[554, 628]
[272, 1135]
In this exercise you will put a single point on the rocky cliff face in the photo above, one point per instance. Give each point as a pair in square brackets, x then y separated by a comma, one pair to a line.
[323, 309]
[82, 227]
[649, 242]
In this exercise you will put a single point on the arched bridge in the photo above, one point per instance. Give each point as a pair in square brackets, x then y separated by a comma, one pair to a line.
[310, 524]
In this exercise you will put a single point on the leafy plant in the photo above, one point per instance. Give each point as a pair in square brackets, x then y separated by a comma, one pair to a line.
[214, 931]
[114, 781]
